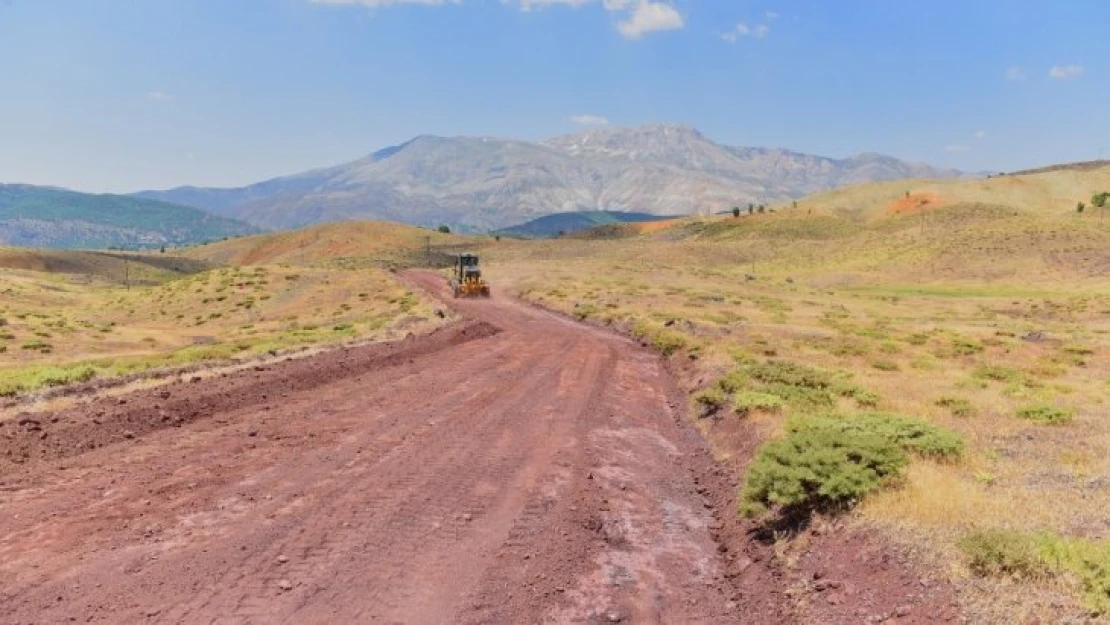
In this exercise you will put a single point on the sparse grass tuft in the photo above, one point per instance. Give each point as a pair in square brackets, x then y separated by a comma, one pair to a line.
[1047, 414]
[1000, 553]
[958, 406]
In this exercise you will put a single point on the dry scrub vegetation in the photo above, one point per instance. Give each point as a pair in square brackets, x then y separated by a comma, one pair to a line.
[849, 336]
[58, 328]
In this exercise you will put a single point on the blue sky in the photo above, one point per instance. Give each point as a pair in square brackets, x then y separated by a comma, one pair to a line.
[120, 95]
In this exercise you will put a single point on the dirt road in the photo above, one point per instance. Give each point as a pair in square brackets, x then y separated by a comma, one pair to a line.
[517, 468]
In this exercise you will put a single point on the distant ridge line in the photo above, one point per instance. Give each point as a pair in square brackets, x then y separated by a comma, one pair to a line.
[1076, 166]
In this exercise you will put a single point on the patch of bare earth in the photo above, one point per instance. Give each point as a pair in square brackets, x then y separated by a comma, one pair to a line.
[515, 468]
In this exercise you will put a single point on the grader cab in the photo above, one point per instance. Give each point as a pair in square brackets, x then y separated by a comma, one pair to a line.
[468, 281]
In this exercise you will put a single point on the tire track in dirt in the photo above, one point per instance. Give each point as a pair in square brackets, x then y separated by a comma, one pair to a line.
[540, 473]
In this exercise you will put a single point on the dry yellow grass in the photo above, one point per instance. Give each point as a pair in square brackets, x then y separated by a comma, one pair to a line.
[378, 242]
[60, 327]
[928, 316]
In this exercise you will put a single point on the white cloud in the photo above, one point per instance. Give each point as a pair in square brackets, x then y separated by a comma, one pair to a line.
[528, 5]
[650, 17]
[759, 31]
[589, 120]
[158, 96]
[1064, 72]
[771, 16]
[1015, 74]
[980, 134]
[383, 3]
[640, 16]
[956, 148]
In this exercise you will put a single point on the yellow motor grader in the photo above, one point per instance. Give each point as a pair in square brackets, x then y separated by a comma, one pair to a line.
[467, 281]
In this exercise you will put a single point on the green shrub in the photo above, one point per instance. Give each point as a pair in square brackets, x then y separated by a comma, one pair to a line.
[663, 340]
[863, 397]
[747, 401]
[827, 462]
[1044, 555]
[910, 434]
[959, 406]
[802, 399]
[733, 381]
[790, 374]
[885, 365]
[667, 342]
[61, 376]
[709, 400]
[818, 469]
[1045, 413]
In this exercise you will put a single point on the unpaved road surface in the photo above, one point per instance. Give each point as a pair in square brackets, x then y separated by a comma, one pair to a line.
[515, 468]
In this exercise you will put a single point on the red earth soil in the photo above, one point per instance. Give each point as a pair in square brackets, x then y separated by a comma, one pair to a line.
[514, 468]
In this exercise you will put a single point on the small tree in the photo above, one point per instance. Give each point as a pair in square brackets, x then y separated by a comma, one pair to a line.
[761, 208]
[444, 229]
[1079, 207]
[1098, 200]
[497, 237]
[735, 211]
[795, 203]
[751, 208]
[163, 249]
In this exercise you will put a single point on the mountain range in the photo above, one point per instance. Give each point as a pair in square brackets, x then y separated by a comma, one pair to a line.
[486, 183]
[34, 216]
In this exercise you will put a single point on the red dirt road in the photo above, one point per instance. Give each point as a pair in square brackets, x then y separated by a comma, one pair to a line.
[517, 468]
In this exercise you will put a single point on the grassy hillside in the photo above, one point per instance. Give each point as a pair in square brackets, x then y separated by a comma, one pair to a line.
[1048, 192]
[47, 217]
[985, 313]
[76, 316]
[572, 222]
[367, 242]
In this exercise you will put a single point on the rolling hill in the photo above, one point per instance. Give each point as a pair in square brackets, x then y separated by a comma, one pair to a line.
[484, 183]
[50, 217]
[568, 223]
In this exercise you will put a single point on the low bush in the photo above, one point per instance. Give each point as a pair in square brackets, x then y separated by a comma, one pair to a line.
[997, 553]
[828, 462]
[1045, 413]
[667, 342]
[910, 434]
[709, 400]
[885, 365]
[818, 470]
[747, 401]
